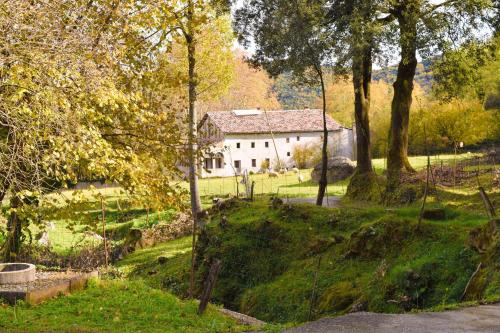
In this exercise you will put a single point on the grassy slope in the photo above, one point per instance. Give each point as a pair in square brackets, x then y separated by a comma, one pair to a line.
[269, 268]
[114, 306]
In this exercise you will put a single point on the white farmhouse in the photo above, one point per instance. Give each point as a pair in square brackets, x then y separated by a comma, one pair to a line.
[242, 140]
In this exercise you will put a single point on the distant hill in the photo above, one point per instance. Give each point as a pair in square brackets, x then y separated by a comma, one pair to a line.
[293, 97]
[423, 75]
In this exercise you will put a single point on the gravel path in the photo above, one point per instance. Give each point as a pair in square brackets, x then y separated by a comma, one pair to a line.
[331, 201]
[481, 319]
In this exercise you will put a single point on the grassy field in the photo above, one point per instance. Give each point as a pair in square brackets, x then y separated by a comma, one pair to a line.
[288, 184]
[115, 306]
[62, 239]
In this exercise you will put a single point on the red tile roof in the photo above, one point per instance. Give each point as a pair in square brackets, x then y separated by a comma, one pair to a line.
[280, 121]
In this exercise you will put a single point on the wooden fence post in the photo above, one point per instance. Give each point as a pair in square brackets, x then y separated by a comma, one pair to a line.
[312, 301]
[490, 210]
[103, 217]
[209, 285]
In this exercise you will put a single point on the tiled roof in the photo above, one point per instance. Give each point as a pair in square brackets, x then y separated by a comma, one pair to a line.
[281, 121]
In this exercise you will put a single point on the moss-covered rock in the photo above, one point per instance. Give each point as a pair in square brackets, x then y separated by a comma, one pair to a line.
[381, 238]
[339, 297]
[404, 193]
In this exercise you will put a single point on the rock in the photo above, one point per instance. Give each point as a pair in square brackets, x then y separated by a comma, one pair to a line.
[358, 306]
[223, 221]
[241, 318]
[339, 168]
[434, 214]
[481, 238]
[276, 202]
[162, 260]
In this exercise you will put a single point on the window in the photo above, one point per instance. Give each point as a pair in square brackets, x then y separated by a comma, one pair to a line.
[266, 144]
[238, 145]
[252, 144]
[208, 164]
[254, 163]
[218, 163]
[298, 138]
[287, 140]
[288, 154]
[237, 165]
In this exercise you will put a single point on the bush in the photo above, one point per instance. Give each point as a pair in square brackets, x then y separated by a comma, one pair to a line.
[265, 165]
[305, 154]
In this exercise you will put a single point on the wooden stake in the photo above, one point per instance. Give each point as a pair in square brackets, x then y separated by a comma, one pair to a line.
[103, 217]
[470, 280]
[426, 182]
[209, 285]
[490, 210]
[251, 191]
[312, 301]
[193, 247]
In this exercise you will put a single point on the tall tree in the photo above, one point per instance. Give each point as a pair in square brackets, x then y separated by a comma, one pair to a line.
[186, 20]
[289, 38]
[69, 107]
[421, 25]
[356, 24]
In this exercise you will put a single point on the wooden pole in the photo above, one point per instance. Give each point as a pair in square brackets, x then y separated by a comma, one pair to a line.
[103, 218]
[312, 301]
[426, 190]
[209, 285]
[490, 210]
[455, 167]
[191, 275]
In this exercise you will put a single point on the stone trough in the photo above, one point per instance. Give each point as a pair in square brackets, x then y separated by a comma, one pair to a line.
[23, 282]
[16, 273]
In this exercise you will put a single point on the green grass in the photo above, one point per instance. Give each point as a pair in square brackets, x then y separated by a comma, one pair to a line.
[170, 250]
[288, 184]
[115, 306]
[269, 267]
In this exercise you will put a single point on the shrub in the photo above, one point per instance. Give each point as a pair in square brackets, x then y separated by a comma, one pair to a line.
[303, 155]
[264, 165]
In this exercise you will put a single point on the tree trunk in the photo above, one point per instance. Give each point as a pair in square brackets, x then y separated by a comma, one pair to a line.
[14, 231]
[324, 151]
[192, 137]
[363, 184]
[362, 71]
[397, 159]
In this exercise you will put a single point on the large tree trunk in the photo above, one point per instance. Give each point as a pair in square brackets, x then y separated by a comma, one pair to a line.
[397, 159]
[363, 184]
[324, 151]
[14, 231]
[362, 71]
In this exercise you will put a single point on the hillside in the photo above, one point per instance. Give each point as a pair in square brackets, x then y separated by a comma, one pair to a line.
[423, 75]
[362, 259]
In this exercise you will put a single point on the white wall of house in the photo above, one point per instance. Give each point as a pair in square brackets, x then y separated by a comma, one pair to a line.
[248, 151]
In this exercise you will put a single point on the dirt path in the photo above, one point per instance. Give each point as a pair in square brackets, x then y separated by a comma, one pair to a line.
[331, 201]
[481, 319]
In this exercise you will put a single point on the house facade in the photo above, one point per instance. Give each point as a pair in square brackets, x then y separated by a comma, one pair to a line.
[249, 140]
